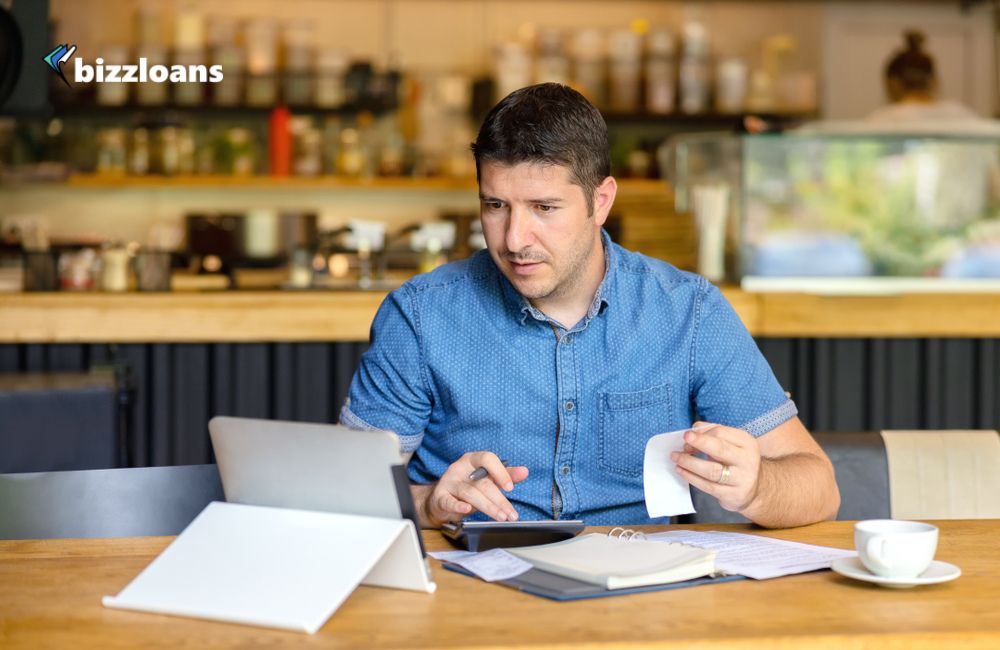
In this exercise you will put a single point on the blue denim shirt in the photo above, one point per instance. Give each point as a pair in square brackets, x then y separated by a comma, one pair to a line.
[459, 362]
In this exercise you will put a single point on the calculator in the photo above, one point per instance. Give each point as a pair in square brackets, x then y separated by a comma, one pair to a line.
[484, 535]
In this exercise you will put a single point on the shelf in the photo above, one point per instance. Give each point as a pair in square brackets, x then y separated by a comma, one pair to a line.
[402, 183]
[271, 182]
[174, 113]
[708, 119]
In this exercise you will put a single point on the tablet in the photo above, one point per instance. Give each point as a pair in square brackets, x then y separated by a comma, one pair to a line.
[306, 466]
[484, 535]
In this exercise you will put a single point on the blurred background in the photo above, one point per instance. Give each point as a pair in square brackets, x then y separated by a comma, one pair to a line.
[220, 248]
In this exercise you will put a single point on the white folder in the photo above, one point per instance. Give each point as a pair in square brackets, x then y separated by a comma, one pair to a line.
[275, 567]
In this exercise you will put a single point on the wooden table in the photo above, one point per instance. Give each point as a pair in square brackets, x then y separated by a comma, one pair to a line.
[50, 597]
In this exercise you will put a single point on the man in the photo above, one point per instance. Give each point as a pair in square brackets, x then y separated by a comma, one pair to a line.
[563, 352]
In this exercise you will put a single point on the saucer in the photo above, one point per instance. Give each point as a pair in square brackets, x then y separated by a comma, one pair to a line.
[935, 573]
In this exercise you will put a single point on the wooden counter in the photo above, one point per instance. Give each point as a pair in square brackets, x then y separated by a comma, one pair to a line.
[242, 316]
[50, 597]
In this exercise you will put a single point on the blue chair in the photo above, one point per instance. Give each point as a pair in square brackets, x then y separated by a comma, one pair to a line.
[132, 502]
[58, 421]
[859, 460]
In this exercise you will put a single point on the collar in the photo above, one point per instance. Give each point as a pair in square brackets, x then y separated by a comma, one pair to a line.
[522, 308]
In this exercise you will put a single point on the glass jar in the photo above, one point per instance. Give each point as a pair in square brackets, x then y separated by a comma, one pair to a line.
[116, 266]
[512, 68]
[151, 93]
[262, 63]
[661, 72]
[299, 61]
[189, 51]
[113, 94]
[552, 64]
[227, 53]
[731, 86]
[78, 270]
[589, 66]
[330, 89]
[153, 270]
[625, 66]
[695, 72]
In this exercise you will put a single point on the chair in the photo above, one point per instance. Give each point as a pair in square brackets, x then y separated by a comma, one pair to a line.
[58, 421]
[105, 502]
[859, 460]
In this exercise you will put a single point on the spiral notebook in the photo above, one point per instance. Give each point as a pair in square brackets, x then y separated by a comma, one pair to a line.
[621, 562]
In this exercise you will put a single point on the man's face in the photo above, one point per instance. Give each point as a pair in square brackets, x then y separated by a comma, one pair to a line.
[537, 228]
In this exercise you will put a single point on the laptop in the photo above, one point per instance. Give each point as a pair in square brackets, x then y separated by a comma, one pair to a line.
[325, 467]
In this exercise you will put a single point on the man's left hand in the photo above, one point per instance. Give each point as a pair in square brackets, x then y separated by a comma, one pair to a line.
[731, 472]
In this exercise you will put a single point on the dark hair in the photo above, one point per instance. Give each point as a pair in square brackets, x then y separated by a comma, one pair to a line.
[912, 67]
[547, 123]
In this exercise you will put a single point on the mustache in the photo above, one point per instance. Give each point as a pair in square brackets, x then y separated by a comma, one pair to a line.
[524, 258]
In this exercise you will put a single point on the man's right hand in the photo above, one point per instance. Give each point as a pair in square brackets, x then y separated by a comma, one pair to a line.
[454, 496]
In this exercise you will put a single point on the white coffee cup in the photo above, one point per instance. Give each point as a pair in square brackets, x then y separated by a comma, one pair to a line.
[895, 549]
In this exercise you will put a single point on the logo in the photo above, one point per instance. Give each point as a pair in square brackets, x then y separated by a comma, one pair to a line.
[140, 72]
[58, 57]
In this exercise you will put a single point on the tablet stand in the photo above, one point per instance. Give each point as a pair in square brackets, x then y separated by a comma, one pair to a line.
[275, 567]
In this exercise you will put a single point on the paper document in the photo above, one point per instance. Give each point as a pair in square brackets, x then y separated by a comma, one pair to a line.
[755, 556]
[667, 494]
[494, 564]
[450, 556]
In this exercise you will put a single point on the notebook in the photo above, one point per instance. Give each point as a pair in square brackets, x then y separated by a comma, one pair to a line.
[619, 562]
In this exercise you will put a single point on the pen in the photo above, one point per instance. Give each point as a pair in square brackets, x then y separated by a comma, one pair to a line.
[482, 472]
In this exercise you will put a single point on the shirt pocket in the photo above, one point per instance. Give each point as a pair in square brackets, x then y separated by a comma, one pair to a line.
[627, 421]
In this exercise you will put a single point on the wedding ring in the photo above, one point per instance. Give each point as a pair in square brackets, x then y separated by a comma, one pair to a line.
[724, 477]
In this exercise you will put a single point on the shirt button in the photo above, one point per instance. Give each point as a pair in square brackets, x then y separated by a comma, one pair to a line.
[564, 470]
[569, 405]
[568, 339]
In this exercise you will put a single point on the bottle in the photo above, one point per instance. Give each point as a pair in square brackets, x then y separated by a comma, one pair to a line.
[279, 142]
[350, 156]
[367, 143]
[392, 150]
[111, 152]
[138, 160]
[307, 147]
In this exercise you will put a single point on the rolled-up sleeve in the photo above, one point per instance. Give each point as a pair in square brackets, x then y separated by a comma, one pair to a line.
[732, 383]
[389, 390]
